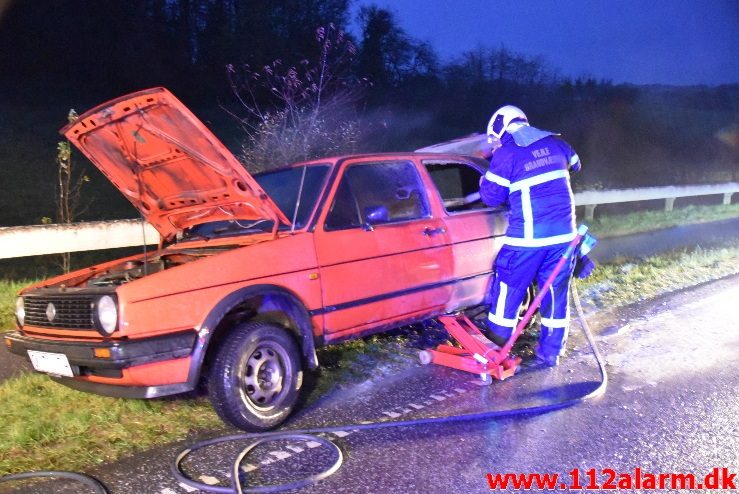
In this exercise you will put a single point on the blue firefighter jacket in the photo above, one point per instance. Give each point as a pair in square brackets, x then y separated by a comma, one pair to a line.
[531, 171]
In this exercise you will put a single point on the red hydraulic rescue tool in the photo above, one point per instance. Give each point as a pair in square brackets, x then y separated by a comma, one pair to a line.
[478, 354]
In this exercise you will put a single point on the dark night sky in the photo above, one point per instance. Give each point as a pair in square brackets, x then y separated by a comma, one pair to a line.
[678, 42]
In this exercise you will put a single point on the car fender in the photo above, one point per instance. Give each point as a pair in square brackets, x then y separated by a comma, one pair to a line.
[226, 306]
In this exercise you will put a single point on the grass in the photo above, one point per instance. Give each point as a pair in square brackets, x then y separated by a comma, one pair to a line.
[49, 426]
[627, 281]
[644, 221]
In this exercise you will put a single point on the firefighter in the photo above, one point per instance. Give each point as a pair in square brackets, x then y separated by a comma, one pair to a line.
[530, 171]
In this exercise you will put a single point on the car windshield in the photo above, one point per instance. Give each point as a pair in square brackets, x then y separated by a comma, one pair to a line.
[294, 190]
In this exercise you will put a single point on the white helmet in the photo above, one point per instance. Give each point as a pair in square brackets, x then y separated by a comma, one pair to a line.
[502, 118]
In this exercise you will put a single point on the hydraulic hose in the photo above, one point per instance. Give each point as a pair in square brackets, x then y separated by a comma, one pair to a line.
[309, 434]
[90, 482]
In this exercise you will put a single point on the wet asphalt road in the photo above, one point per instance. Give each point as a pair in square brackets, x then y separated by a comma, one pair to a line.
[672, 405]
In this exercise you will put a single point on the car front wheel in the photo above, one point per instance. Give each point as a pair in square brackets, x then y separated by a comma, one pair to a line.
[256, 377]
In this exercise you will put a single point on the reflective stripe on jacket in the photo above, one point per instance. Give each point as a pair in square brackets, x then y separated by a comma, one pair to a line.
[535, 181]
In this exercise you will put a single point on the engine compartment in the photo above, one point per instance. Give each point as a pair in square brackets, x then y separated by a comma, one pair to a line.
[132, 270]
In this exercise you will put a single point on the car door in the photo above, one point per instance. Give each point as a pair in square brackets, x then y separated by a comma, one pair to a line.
[474, 229]
[383, 257]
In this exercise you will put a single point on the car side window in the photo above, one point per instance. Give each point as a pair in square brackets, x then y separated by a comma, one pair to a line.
[458, 185]
[377, 193]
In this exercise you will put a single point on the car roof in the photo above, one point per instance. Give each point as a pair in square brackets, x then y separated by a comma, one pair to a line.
[441, 157]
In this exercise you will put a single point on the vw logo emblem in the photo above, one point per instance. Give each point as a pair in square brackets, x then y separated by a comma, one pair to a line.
[50, 312]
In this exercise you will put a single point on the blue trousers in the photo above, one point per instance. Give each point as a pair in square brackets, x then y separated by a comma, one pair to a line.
[514, 271]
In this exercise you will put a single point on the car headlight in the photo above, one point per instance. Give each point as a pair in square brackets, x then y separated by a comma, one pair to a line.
[20, 311]
[106, 312]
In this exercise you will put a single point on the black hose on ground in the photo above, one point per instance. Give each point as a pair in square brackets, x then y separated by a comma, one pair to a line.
[90, 482]
[309, 434]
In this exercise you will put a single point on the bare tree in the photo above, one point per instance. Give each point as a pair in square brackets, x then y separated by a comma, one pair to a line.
[69, 188]
[299, 112]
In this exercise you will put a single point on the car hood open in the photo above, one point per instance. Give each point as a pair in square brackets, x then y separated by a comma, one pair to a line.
[168, 164]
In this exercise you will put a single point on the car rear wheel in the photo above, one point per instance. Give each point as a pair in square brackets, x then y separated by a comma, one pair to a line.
[256, 377]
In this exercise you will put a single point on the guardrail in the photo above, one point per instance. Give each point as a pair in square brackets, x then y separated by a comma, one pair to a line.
[36, 240]
[592, 198]
[20, 241]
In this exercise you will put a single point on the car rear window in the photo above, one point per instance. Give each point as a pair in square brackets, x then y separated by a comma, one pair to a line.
[458, 185]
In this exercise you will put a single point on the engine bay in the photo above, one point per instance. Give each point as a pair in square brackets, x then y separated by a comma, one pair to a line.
[135, 269]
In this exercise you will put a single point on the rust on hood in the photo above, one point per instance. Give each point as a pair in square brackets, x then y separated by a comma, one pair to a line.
[168, 164]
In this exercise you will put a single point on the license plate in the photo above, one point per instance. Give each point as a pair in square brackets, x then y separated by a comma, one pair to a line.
[56, 364]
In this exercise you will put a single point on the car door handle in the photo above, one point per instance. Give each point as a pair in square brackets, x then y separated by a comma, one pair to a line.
[430, 232]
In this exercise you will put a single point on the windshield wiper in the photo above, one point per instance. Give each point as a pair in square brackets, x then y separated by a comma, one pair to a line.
[196, 236]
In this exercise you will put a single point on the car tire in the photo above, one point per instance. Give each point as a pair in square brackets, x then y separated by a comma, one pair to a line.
[256, 376]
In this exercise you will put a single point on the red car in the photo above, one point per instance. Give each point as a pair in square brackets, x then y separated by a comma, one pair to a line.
[251, 273]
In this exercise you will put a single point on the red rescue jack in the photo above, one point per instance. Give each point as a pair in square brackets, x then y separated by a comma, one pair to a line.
[478, 354]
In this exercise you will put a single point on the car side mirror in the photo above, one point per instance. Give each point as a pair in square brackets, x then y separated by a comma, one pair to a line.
[374, 215]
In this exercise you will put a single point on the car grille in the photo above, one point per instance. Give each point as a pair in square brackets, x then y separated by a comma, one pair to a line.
[71, 312]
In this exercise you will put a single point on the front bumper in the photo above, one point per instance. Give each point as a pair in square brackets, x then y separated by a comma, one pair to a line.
[123, 353]
[125, 391]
